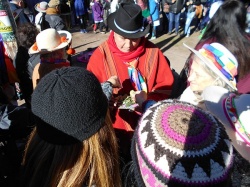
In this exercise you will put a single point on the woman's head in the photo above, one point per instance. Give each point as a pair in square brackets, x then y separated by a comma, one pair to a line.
[93, 161]
[177, 144]
[73, 132]
[212, 65]
[231, 15]
[26, 35]
[199, 76]
[229, 20]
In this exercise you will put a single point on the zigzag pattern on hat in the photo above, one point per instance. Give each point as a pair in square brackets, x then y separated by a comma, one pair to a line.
[179, 143]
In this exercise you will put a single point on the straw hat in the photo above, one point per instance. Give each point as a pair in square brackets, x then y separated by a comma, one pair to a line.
[50, 40]
[41, 7]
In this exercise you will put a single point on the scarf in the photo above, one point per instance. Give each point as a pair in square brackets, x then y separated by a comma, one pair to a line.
[128, 56]
[52, 11]
[131, 60]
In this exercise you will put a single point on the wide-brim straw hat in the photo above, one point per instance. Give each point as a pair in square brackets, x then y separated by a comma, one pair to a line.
[41, 7]
[50, 40]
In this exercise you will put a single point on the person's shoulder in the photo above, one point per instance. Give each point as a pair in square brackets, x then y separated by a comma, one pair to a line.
[149, 44]
[13, 6]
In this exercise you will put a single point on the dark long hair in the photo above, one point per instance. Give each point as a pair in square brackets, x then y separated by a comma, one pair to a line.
[228, 28]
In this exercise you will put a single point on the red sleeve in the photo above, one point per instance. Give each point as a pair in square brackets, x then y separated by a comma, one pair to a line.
[161, 79]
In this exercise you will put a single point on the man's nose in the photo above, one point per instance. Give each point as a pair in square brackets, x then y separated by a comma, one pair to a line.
[128, 43]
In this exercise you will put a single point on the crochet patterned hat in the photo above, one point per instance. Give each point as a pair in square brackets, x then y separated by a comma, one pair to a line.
[179, 144]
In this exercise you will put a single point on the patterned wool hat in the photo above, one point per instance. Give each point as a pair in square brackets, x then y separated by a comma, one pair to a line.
[220, 60]
[179, 144]
[69, 106]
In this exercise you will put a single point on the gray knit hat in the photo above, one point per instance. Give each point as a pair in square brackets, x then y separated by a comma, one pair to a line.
[69, 105]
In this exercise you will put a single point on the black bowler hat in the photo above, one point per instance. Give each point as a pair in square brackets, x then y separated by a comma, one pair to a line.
[127, 21]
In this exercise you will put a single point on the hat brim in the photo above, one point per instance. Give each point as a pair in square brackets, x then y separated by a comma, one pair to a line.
[211, 66]
[124, 34]
[214, 97]
[39, 9]
[62, 45]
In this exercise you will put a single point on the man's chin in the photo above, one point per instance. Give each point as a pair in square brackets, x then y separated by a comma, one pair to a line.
[126, 50]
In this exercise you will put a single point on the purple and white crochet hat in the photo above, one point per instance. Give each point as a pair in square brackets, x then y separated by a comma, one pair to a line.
[179, 144]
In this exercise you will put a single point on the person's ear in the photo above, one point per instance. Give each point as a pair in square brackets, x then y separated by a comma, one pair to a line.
[58, 8]
[21, 3]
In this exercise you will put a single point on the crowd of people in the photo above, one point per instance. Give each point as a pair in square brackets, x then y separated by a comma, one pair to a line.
[118, 122]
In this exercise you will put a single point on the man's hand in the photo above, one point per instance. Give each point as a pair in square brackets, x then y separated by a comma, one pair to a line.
[138, 97]
[115, 81]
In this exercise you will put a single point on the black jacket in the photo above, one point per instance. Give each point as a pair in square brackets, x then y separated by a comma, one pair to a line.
[22, 17]
[175, 7]
[191, 8]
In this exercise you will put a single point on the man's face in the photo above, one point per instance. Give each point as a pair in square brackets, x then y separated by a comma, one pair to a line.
[199, 78]
[126, 44]
[21, 3]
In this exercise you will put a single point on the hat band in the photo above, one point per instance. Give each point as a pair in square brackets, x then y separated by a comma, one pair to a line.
[126, 31]
[234, 119]
[226, 65]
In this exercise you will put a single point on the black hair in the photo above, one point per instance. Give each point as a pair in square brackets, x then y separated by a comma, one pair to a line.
[228, 28]
[26, 35]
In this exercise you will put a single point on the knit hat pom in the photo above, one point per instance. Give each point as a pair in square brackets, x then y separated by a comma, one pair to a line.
[178, 144]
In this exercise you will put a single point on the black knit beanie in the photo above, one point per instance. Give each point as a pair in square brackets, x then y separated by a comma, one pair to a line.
[69, 105]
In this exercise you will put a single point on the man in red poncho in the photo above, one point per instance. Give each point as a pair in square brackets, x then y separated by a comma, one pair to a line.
[138, 63]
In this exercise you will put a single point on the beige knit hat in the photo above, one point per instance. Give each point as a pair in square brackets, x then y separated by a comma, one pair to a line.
[54, 3]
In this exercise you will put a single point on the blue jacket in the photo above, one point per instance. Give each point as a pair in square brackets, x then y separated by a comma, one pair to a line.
[22, 18]
[80, 7]
[154, 10]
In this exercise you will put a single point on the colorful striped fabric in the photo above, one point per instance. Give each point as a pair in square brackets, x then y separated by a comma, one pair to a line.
[136, 79]
[224, 63]
[135, 76]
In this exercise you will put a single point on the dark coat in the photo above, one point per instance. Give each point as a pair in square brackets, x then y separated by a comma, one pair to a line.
[22, 17]
[55, 22]
[175, 7]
